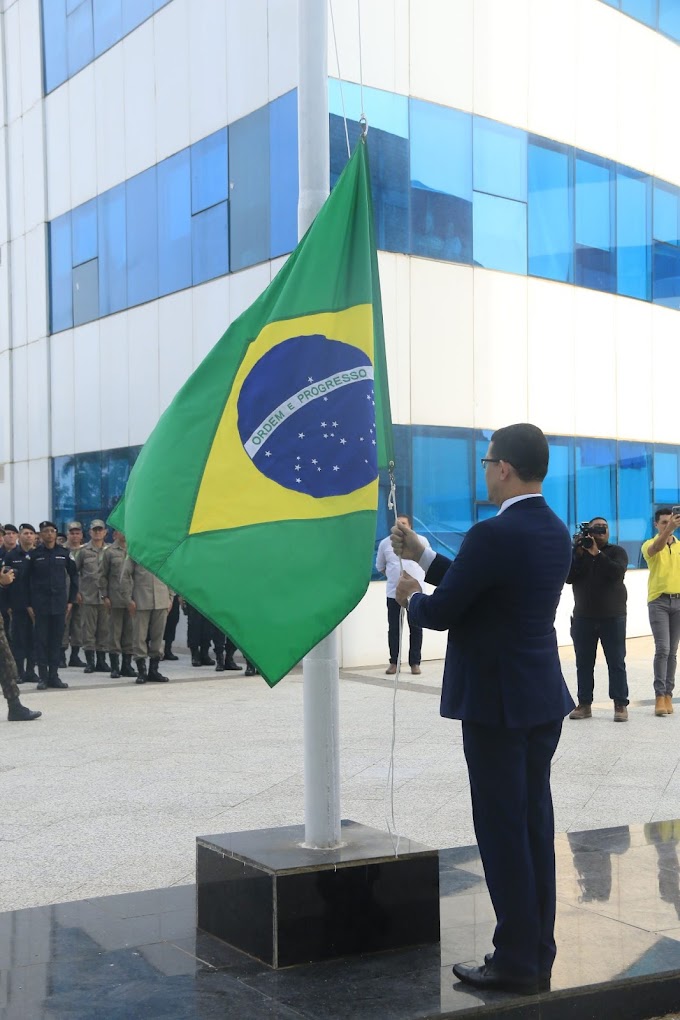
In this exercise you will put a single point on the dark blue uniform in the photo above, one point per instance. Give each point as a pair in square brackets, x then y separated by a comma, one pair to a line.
[18, 597]
[53, 584]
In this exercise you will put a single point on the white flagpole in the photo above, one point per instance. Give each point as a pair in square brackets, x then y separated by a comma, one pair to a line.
[320, 670]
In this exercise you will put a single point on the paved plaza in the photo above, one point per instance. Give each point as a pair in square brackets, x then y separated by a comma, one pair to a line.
[107, 792]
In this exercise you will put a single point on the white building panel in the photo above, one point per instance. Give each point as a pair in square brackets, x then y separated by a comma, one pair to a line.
[12, 43]
[247, 61]
[83, 134]
[38, 399]
[593, 76]
[635, 384]
[34, 168]
[110, 118]
[17, 275]
[442, 50]
[38, 493]
[207, 68]
[595, 391]
[211, 316]
[15, 140]
[63, 392]
[20, 398]
[143, 375]
[36, 284]
[395, 290]
[282, 46]
[171, 66]
[139, 87]
[551, 363]
[552, 63]
[114, 381]
[501, 60]
[31, 55]
[500, 345]
[58, 146]
[87, 401]
[175, 344]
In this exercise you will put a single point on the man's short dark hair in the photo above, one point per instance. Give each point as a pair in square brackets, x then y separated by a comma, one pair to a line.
[525, 447]
[599, 517]
[408, 518]
[664, 511]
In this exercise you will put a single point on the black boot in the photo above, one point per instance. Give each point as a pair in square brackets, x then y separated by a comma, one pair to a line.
[230, 664]
[141, 671]
[128, 669]
[42, 681]
[168, 655]
[102, 665]
[250, 669]
[89, 668]
[54, 680]
[19, 713]
[21, 671]
[154, 674]
[219, 662]
[195, 657]
[62, 659]
[30, 676]
[74, 659]
[115, 665]
[205, 657]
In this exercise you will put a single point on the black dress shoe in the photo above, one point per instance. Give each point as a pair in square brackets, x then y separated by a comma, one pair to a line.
[488, 978]
[250, 671]
[169, 656]
[230, 664]
[58, 683]
[42, 685]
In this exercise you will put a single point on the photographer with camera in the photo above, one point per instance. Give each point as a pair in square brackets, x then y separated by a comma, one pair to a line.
[662, 555]
[596, 575]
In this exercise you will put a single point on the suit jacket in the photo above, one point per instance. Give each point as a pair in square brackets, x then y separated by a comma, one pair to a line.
[498, 600]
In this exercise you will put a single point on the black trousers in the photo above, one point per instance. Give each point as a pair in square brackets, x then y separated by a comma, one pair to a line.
[416, 642]
[586, 631]
[513, 814]
[199, 630]
[21, 638]
[49, 630]
[171, 622]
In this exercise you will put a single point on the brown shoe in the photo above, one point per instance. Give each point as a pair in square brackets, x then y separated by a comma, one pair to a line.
[582, 712]
[391, 669]
[669, 704]
[620, 713]
[660, 705]
[415, 670]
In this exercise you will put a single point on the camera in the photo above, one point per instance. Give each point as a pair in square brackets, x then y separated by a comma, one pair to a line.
[586, 530]
[675, 510]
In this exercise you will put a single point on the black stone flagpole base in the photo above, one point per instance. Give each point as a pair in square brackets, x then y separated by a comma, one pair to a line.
[267, 895]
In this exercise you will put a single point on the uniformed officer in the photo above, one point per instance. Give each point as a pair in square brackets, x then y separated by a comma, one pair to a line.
[199, 635]
[53, 585]
[21, 637]
[93, 613]
[73, 629]
[10, 535]
[113, 597]
[149, 602]
[8, 669]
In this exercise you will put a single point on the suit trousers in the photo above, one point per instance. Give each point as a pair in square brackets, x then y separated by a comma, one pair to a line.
[416, 635]
[73, 635]
[512, 809]
[120, 634]
[148, 623]
[21, 638]
[96, 627]
[8, 668]
[49, 629]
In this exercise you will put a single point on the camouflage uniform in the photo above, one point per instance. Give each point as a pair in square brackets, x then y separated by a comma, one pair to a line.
[8, 667]
[95, 620]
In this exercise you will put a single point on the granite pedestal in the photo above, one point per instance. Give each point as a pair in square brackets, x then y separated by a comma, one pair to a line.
[267, 895]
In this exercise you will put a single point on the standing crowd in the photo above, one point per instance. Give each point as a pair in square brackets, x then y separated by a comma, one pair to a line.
[59, 595]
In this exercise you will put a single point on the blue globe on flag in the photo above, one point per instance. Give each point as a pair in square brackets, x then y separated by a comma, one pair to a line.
[306, 416]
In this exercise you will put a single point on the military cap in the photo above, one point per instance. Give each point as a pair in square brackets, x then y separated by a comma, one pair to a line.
[74, 525]
[10, 527]
[47, 524]
[60, 534]
[97, 524]
[27, 527]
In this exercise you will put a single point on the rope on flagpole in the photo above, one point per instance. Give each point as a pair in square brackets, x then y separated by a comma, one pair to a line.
[361, 67]
[342, 93]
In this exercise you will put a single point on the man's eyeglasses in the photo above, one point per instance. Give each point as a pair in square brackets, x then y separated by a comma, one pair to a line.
[490, 460]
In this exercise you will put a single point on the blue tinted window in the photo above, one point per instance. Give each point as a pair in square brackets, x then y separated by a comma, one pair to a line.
[642, 10]
[633, 235]
[595, 478]
[283, 174]
[666, 475]
[635, 486]
[249, 195]
[441, 182]
[63, 488]
[499, 159]
[666, 289]
[89, 481]
[500, 233]
[595, 257]
[613, 3]
[84, 232]
[142, 237]
[558, 486]
[61, 272]
[174, 223]
[135, 12]
[443, 487]
[550, 212]
[666, 213]
[85, 292]
[54, 43]
[79, 37]
[108, 24]
[116, 467]
[669, 18]
[209, 177]
[112, 250]
[210, 243]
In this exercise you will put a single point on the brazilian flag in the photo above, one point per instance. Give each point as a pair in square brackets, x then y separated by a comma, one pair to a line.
[255, 496]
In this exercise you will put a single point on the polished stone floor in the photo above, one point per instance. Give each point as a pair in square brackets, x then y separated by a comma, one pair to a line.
[138, 956]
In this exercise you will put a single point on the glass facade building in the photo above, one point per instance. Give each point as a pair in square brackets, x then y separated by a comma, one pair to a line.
[661, 15]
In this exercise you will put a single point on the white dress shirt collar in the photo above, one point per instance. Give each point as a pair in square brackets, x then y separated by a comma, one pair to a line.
[517, 499]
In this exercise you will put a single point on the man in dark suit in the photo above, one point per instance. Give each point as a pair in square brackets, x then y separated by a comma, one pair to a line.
[503, 679]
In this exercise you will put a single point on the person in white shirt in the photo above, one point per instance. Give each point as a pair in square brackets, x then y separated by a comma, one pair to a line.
[387, 563]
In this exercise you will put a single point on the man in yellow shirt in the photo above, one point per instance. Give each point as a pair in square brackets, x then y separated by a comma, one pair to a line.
[662, 555]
